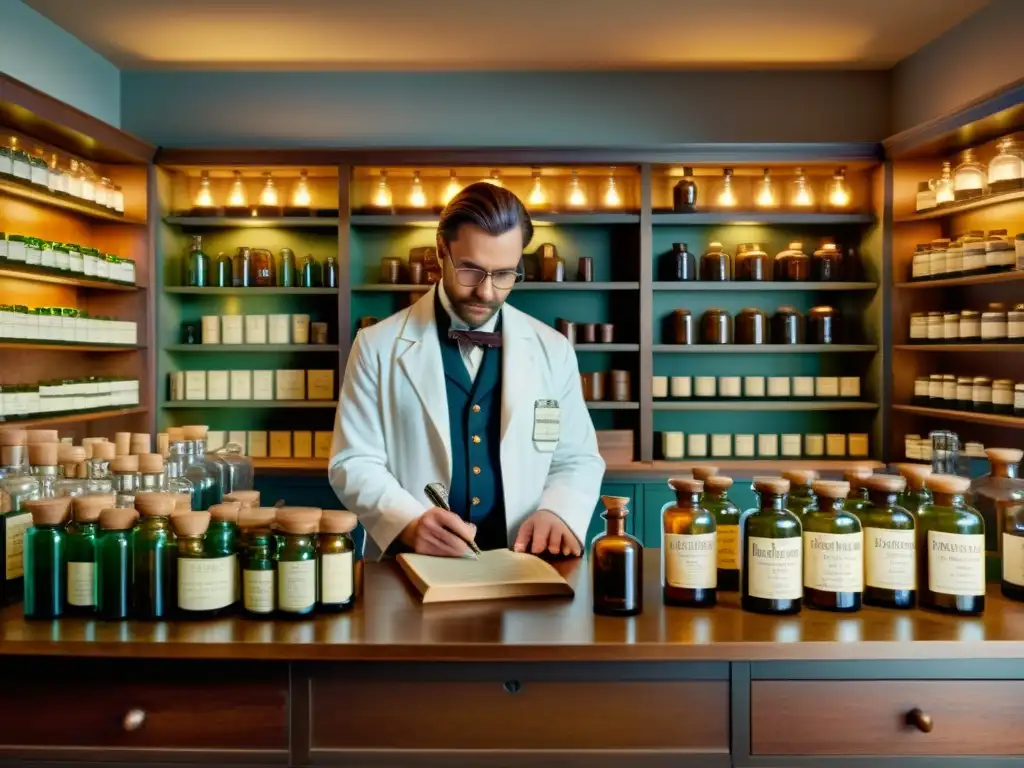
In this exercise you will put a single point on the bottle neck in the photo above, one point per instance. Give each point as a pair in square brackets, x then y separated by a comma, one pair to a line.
[882, 498]
[773, 502]
[949, 499]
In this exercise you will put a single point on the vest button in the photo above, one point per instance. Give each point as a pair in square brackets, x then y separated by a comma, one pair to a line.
[476, 470]
[476, 501]
[476, 409]
[476, 439]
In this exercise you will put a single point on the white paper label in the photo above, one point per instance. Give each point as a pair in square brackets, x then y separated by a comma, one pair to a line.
[728, 541]
[258, 591]
[336, 578]
[16, 525]
[834, 562]
[296, 585]
[889, 561]
[1013, 559]
[206, 584]
[690, 561]
[774, 567]
[956, 563]
[82, 584]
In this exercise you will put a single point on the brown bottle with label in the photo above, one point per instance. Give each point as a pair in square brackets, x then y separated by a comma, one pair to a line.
[690, 568]
[617, 564]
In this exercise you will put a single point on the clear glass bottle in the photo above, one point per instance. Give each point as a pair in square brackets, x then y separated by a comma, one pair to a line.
[727, 529]
[45, 558]
[833, 551]
[970, 179]
[296, 561]
[126, 480]
[772, 555]
[198, 266]
[257, 550]
[221, 540]
[951, 547]
[890, 549]
[991, 495]
[1006, 169]
[43, 459]
[81, 548]
[154, 548]
[17, 487]
[336, 565]
[99, 479]
[114, 563]
[801, 498]
[616, 563]
[204, 584]
[689, 564]
[858, 496]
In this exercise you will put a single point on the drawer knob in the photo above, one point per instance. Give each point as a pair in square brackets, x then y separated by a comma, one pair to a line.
[513, 686]
[133, 719]
[920, 720]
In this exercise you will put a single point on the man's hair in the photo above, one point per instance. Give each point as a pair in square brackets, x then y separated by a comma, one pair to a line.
[494, 209]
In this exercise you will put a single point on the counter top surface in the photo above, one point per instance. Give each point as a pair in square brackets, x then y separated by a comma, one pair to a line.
[390, 623]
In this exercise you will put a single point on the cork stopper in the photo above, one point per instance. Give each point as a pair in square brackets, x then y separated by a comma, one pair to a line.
[717, 483]
[163, 444]
[42, 436]
[190, 523]
[86, 509]
[195, 432]
[1004, 455]
[298, 520]
[886, 483]
[122, 443]
[226, 512]
[776, 485]
[856, 475]
[256, 517]
[831, 489]
[703, 473]
[49, 511]
[916, 474]
[151, 463]
[949, 484]
[249, 499]
[125, 464]
[175, 434]
[182, 502]
[105, 451]
[338, 521]
[141, 442]
[10, 436]
[686, 485]
[155, 504]
[117, 519]
[800, 476]
[43, 454]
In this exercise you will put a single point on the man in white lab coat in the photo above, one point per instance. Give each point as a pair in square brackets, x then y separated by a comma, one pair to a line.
[464, 390]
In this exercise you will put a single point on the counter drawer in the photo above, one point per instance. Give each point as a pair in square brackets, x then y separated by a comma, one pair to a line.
[126, 706]
[874, 717]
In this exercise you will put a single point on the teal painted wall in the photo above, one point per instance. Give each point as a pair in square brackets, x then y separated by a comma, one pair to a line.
[36, 51]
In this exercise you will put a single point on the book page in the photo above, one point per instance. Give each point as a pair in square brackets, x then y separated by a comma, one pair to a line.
[495, 567]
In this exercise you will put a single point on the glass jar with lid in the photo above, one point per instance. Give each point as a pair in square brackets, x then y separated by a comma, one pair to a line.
[751, 326]
[918, 327]
[970, 179]
[716, 327]
[1006, 169]
[970, 326]
[752, 263]
[1002, 396]
[937, 257]
[787, 326]
[921, 264]
[993, 324]
[964, 393]
[934, 327]
[1000, 255]
[793, 265]
[982, 394]
[1015, 324]
[823, 325]
[714, 264]
[951, 327]
[827, 266]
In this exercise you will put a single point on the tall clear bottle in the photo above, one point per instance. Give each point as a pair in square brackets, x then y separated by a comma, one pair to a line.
[992, 495]
[81, 547]
[727, 530]
[801, 498]
[198, 271]
[45, 558]
[689, 565]
[126, 480]
[17, 487]
[153, 551]
[916, 495]
[98, 468]
[772, 564]
[890, 548]
[114, 563]
[43, 460]
[951, 549]
[833, 551]
[616, 563]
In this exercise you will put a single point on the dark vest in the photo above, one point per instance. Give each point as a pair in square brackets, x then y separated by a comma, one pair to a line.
[475, 491]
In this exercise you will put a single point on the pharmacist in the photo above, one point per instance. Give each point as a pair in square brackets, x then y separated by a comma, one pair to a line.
[465, 390]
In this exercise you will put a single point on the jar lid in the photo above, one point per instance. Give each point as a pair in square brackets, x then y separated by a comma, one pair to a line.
[947, 483]
[777, 485]
[831, 489]
[686, 485]
[338, 521]
[49, 511]
[86, 509]
[886, 483]
[190, 523]
[704, 472]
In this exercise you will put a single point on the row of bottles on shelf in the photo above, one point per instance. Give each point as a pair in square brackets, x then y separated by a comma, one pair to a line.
[968, 254]
[752, 263]
[978, 394]
[996, 324]
[787, 326]
[55, 397]
[65, 258]
[59, 176]
[257, 268]
[695, 445]
[798, 194]
[972, 179]
[66, 324]
[896, 541]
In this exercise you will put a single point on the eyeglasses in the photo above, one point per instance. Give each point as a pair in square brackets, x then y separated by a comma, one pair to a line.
[471, 277]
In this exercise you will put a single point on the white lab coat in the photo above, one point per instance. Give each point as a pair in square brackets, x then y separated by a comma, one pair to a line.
[391, 434]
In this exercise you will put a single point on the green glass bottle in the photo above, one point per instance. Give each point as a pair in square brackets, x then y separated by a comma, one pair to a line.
[336, 566]
[772, 565]
[916, 494]
[257, 551]
[296, 561]
[204, 584]
[689, 567]
[81, 549]
[833, 551]
[951, 549]
[222, 271]
[198, 275]
[45, 558]
[114, 561]
[858, 498]
[801, 498]
[286, 272]
[153, 550]
[727, 530]
[890, 562]
[222, 540]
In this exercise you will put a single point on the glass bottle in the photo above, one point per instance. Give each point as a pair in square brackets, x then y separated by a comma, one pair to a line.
[991, 494]
[801, 498]
[727, 530]
[43, 459]
[714, 264]
[286, 271]
[222, 271]
[336, 569]
[951, 549]
[126, 480]
[970, 177]
[45, 558]
[221, 540]
[198, 275]
[771, 568]
[793, 265]
[833, 551]
[689, 565]
[1006, 169]
[153, 552]
[858, 496]
[916, 494]
[114, 560]
[17, 487]
[311, 275]
[259, 567]
[242, 268]
[890, 563]
[81, 548]
[204, 584]
[331, 272]
[296, 561]
[684, 193]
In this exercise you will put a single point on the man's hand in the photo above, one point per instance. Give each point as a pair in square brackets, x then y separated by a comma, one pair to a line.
[544, 530]
[427, 535]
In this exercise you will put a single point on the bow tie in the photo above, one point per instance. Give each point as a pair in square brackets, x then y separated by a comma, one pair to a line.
[480, 338]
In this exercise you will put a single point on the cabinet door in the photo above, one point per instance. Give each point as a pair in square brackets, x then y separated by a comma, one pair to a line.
[634, 493]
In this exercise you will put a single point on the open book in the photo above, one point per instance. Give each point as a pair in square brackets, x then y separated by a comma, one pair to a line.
[497, 573]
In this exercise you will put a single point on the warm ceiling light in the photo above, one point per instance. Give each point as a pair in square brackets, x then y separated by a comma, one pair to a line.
[382, 195]
[611, 197]
[417, 197]
[301, 198]
[204, 197]
[495, 179]
[838, 191]
[803, 195]
[451, 189]
[268, 195]
[577, 197]
[764, 192]
[538, 194]
[237, 197]
[726, 195]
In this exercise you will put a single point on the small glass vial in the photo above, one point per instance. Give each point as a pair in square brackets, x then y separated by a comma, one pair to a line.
[336, 569]
[801, 494]
[951, 540]
[890, 562]
[916, 494]
[221, 542]
[126, 480]
[204, 584]
[45, 558]
[296, 561]
[964, 393]
[833, 551]
[690, 569]
[772, 556]
[727, 529]
[981, 395]
[259, 568]
[617, 564]
[153, 551]
[970, 326]
[114, 560]
[81, 549]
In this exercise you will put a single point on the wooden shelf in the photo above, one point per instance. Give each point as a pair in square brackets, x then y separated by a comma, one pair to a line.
[760, 217]
[608, 405]
[960, 347]
[955, 282]
[606, 347]
[967, 205]
[525, 286]
[230, 222]
[72, 418]
[25, 190]
[758, 287]
[38, 275]
[760, 349]
[251, 348]
[65, 346]
[993, 419]
[429, 219]
[270, 291]
[754, 404]
[268, 404]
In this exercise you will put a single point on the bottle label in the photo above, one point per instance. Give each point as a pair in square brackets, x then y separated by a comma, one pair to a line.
[296, 585]
[258, 591]
[728, 540]
[690, 561]
[336, 578]
[889, 561]
[206, 583]
[956, 563]
[82, 584]
[834, 562]
[774, 568]
[16, 525]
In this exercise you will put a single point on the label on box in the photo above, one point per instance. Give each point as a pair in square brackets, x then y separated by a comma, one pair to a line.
[849, 386]
[302, 445]
[296, 585]
[336, 577]
[195, 385]
[280, 445]
[231, 327]
[956, 563]
[889, 561]
[291, 385]
[803, 386]
[698, 445]
[774, 568]
[690, 561]
[322, 444]
[216, 386]
[721, 445]
[258, 445]
[826, 386]
[320, 385]
[262, 385]
[753, 386]
[834, 562]
[241, 385]
[255, 329]
[744, 445]
[778, 386]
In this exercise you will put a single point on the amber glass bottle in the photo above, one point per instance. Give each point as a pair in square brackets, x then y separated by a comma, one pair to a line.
[833, 551]
[689, 564]
[772, 555]
[916, 495]
[801, 495]
[617, 564]
[890, 564]
[951, 549]
[727, 530]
